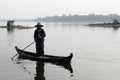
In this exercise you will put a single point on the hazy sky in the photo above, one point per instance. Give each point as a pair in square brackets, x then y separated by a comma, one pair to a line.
[18, 9]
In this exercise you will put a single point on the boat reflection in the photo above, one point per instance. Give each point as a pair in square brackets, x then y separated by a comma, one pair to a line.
[66, 66]
[40, 69]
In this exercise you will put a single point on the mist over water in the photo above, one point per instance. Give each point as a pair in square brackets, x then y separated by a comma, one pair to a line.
[96, 52]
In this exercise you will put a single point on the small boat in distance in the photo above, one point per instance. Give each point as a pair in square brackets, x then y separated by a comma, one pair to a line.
[45, 58]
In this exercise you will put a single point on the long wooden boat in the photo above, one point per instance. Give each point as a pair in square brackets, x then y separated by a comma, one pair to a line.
[45, 58]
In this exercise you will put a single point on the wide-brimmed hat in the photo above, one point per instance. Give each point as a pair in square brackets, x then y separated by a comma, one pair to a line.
[39, 25]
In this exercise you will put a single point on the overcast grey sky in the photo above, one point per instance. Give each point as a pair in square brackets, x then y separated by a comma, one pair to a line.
[18, 9]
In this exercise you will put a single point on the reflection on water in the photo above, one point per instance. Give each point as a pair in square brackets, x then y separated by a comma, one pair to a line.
[10, 36]
[40, 68]
[10, 29]
[66, 66]
[39, 71]
[116, 27]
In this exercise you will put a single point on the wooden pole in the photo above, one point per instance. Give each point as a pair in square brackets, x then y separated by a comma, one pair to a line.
[23, 49]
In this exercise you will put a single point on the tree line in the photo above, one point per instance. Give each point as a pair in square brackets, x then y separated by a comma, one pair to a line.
[80, 18]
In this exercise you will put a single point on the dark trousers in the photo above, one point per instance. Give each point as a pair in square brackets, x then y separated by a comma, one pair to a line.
[40, 48]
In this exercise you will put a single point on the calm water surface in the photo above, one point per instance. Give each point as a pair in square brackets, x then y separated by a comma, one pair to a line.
[96, 53]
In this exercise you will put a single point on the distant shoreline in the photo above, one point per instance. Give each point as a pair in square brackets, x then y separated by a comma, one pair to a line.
[17, 27]
[114, 24]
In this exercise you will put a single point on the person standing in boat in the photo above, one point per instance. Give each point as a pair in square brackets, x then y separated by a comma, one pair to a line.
[39, 35]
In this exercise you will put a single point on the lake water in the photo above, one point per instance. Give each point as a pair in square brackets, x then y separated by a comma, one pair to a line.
[96, 52]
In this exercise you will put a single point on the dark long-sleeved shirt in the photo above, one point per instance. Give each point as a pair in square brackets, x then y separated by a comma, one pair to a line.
[39, 35]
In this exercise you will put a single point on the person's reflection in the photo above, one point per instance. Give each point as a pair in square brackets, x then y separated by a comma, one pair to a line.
[39, 71]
